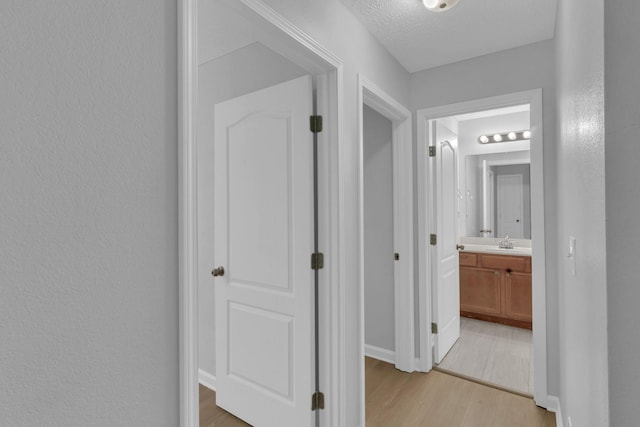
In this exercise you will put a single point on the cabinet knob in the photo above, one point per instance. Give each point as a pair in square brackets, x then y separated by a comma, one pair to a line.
[497, 273]
[217, 272]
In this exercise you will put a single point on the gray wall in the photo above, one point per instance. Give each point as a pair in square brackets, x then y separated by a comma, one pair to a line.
[514, 70]
[89, 219]
[622, 157]
[378, 231]
[581, 213]
[243, 71]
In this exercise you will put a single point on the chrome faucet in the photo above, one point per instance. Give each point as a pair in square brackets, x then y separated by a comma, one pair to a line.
[505, 243]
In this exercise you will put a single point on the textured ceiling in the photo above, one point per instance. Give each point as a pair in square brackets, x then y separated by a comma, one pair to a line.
[420, 39]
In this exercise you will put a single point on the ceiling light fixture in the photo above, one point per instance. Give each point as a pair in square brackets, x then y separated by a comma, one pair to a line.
[505, 137]
[439, 5]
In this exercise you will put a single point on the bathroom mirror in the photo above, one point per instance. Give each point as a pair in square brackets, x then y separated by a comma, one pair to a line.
[496, 195]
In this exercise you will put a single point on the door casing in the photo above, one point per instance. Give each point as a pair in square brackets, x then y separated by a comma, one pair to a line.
[373, 96]
[425, 119]
[289, 41]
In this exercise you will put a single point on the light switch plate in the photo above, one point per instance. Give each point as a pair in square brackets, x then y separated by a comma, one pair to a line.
[572, 255]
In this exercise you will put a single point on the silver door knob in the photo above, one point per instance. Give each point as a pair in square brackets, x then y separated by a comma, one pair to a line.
[217, 272]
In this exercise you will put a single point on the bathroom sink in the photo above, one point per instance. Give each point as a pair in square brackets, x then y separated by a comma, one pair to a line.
[493, 249]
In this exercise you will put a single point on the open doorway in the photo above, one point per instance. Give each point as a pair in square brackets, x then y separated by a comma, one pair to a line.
[386, 258]
[243, 51]
[482, 298]
[494, 338]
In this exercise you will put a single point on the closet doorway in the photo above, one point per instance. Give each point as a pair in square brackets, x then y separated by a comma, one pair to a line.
[386, 255]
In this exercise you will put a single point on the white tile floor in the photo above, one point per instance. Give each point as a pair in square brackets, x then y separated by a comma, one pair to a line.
[494, 353]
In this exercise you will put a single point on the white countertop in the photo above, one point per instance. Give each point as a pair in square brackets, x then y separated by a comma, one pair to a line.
[521, 247]
[494, 249]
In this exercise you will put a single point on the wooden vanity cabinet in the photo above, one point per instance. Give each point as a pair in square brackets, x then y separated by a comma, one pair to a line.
[496, 288]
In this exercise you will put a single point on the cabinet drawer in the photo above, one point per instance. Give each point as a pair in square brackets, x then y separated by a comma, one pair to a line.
[506, 262]
[468, 259]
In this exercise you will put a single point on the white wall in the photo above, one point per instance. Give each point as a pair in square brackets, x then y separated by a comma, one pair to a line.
[243, 71]
[89, 222]
[622, 95]
[514, 70]
[331, 24]
[378, 231]
[581, 213]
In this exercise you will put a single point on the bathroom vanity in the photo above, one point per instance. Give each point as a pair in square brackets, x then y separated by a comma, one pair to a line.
[495, 286]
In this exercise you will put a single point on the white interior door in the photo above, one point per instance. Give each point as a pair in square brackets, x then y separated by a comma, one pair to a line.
[264, 240]
[510, 206]
[447, 298]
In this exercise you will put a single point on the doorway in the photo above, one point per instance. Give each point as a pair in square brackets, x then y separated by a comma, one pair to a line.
[283, 52]
[395, 293]
[474, 217]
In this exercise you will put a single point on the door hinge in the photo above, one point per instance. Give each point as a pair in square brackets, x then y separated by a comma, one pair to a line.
[317, 261]
[434, 328]
[432, 151]
[317, 401]
[433, 239]
[315, 124]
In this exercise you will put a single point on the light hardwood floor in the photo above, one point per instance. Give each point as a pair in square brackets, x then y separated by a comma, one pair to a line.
[211, 415]
[436, 399]
[399, 399]
[498, 354]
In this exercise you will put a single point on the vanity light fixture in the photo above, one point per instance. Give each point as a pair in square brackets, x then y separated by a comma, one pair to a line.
[505, 137]
[439, 5]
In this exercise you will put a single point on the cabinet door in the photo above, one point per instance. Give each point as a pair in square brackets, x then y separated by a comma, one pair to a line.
[518, 296]
[480, 291]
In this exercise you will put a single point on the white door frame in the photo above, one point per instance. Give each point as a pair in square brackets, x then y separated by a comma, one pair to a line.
[289, 41]
[373, 96]
[425, 206]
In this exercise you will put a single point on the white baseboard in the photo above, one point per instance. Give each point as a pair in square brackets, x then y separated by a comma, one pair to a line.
[554, 406]
[380, 354]
[207, 380]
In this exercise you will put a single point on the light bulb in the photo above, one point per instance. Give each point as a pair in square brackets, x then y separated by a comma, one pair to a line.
[484, 139]
[512, 135]
[439, 5]
[526, 134]
[497, 137]
[430, 4]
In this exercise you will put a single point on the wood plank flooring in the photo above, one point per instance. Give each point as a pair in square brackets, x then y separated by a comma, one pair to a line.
[498, 354]
[436, 399]
[213, 416]
[399, 399]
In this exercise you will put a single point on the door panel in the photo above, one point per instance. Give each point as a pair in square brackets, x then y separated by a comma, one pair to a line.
[510, 206]
[480, 291]
[518, 298]
[447, 312]
[264, 239]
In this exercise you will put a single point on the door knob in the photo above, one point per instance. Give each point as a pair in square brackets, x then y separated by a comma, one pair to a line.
[460, 247]
[219, 271]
